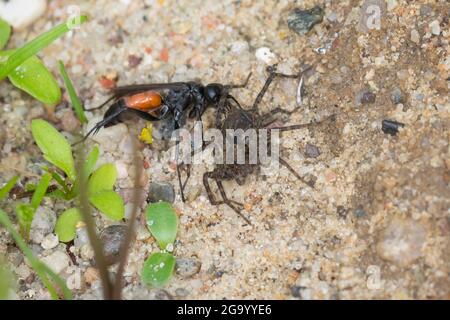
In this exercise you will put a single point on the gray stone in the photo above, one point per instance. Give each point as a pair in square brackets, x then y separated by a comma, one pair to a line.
[43, 223]
[301, 21]
[365, 97]
[187, 267]
[312, 151]
[161, 192]
[397, 96]
[112, 238]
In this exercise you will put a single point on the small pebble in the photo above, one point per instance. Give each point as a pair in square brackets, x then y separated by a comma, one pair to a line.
[181, 292]
[43, 223]
[134, 61]
[365, 97]
[264, 54]
[187, 267]
[402, 241]
[312, 151]
[81, 237]
[397, 96]
[112, 238]
[301, 21]
[91, 275]
[415, 37]
[50, 241]
[161, 294]
[22, 13]
[359, 213]
[296, 291]
[69, 122]
[435, 27]
[391, 127]
[161, 192]
[57, 261]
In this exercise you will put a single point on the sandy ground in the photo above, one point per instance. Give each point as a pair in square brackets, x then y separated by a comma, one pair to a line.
[377, 223]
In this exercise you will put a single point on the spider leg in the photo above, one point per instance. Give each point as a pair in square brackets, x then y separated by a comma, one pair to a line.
[295, 173]
[231, 203]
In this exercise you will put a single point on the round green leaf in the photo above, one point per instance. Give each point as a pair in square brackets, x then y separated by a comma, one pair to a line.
[158, 269]
[162, 222]
[54, 146]
[103, 179]
[5, 32]
[109, 203]
[66, 225]
[35, 79]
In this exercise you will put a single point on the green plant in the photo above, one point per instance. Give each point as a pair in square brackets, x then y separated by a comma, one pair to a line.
[25, 70]
[48, 277]
[76, 103]
[100, 183]
[162, 222]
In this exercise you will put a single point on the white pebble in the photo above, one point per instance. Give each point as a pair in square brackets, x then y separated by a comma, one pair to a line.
[435, 27]
[43, 223]
[122, 171]
[22, 13]
[239, 47]
[264, 54]
[57, 261]
[50, 241]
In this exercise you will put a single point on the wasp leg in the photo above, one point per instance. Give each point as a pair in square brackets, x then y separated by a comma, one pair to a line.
[101, 124]
[102, 105]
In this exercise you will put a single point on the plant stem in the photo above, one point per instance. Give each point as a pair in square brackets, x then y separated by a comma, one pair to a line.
[96, 244]
[117, 294]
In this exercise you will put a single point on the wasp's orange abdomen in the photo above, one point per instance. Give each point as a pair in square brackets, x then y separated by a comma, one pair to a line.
[144, 101]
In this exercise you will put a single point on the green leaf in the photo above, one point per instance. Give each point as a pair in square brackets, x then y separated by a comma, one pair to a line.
[4, 191]
[90, 162]
[25, 214]
[158, 269]
[162, 221]
[5, 32]
[35, 45]
[6, 280]
[103, 179]
[35, 79]
[41, 269]
[66, 225]
[109, 203]
[40, 191]
[55, 147]
[76, 103]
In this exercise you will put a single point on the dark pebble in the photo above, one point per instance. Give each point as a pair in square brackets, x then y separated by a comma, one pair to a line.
[161, 192]
[296, 291]
[112, 238]
[134, 60]
[341, 211]
[365, 97]
[359, 213]
[312, 151]
[181, 292]
[162, 295]
[397, 96]
[187, 267]
[301, 21]
[391, 127]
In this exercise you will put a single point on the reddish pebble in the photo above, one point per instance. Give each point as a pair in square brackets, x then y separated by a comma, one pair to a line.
[164, 55]
[148, 50]
[107, 83]
[146, 164]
